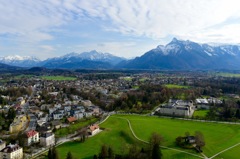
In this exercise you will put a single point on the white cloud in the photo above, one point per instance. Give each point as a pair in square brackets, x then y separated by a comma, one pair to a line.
[28, 23]
[122, 49]
[47, 48]
[29, 19]
[159, 18]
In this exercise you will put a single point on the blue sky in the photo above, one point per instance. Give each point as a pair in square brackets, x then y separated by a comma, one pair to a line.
[127, 28]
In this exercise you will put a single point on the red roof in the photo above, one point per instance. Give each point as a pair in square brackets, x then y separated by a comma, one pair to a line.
[93, 127]
[31, 133]
[71, 119]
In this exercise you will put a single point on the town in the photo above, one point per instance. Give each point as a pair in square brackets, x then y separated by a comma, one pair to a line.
[41, 111]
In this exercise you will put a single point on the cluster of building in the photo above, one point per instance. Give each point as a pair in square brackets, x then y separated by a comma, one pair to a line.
[183, 108]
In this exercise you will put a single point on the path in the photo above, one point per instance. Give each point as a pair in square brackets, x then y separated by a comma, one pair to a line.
[224, 150]
[130, 126]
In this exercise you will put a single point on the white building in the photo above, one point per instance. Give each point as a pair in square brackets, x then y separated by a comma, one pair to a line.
[32, 137]
[2, 145]
[47, 139]
[93, 129]
[177, 108]
[11, 152]
[202, 103]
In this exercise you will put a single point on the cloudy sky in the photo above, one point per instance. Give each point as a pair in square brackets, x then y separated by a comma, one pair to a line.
[128, 28]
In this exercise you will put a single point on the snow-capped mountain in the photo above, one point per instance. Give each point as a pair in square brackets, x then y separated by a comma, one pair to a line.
[92, 59]
[180, 54]
[22, 61]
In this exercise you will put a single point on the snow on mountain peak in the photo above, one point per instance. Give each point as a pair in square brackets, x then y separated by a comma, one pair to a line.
[18, 58]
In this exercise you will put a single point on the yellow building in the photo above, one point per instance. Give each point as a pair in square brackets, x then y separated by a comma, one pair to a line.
[18, 123]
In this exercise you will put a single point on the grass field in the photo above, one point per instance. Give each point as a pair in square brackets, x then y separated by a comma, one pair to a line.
[127, 79]
[223, 74]
[117, 134]
[58, 78]
[175, 86]
[200, 113]
[73, 127]
[23, 76]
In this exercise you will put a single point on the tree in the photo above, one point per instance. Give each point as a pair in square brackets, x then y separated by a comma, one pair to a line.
[199, 139]
[50, 153]
[110, 153]
[54, 153]
[155, 142]
[237, 115]
[95, 157]
[104, 152]
[69, 155]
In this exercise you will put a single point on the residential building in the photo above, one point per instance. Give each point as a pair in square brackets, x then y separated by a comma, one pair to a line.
[31, 137]
[12, 152]
[71, 119]
[93, 129]
[47, 139]
[18, 123]
[2, 144]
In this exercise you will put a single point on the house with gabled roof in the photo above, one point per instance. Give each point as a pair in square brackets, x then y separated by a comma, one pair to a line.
[31, 137]
[93, 129]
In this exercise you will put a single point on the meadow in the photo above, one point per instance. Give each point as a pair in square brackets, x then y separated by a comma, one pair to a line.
[175, 86]
[74, 127]
[117, 134]
[58, 78]
[200, 113]
[224, 74]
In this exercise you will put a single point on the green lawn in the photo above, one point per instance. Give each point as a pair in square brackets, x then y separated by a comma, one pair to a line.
[200, 113]
[23, 76]
[224, 74]
[175, 86]
[58, 78]
[230, 153]
[118, 135]
[127, 78]
[73, 127]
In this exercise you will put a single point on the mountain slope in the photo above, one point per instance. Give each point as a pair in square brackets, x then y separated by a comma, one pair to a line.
[92, 59]
[21, 61]
[182, 55]
[7, 68]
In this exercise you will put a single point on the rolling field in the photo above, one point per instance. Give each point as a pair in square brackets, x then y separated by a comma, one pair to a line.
[175, 86]
[224, 74]
[58, 78]
[117, 134]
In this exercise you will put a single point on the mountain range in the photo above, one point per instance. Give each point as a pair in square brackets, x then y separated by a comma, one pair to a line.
[176, 55]
[185, 55]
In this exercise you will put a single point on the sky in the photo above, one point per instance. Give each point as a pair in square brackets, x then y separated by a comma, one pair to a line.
[126, 28]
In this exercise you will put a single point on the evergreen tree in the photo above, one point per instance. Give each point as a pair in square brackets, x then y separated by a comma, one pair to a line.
[104, 152]
[155, 142]
[110, 153]
[237, 115]
[54, 153]
[69, 155]
[95, 157]
[50, 153]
